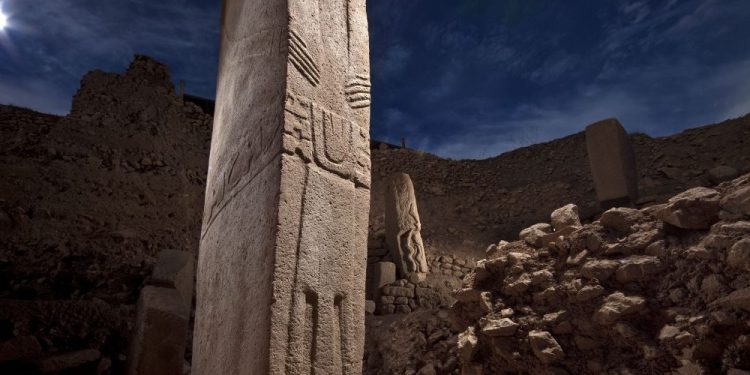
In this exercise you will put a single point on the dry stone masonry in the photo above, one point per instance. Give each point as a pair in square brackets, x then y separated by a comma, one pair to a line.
[283, 247]
[612, 161]
[402, 228]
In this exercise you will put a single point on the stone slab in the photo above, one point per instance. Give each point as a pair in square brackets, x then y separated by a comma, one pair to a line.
[175, 269]
[281, 269]
[403, 227]
[157, 344]
[612, 162]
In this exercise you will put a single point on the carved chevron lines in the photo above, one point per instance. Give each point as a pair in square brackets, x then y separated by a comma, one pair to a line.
[358, 91]
[301, 59]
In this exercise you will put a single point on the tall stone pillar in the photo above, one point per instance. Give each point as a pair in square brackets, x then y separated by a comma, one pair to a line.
[403, 228]
[612, 163]
[281, 269]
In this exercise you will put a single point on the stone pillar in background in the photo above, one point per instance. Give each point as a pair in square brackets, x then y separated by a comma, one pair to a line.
[281, 269]
[612, 163]
[402, 228]
[157, 346]
[176, 269]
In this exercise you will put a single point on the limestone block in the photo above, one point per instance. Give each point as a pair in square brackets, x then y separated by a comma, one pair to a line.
[565, 216]
[403, 227]
[498, 327]
[17, 348]
[157, 345]
[383, 273]
[280, 286]
[696, 208]
[175, 269]
[545, 347]
[612, 162]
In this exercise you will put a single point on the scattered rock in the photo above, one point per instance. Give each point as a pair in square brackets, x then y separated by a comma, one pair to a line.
[566, 216]
[545, 347]
[534, 234]
[696, 208]
[498, 327]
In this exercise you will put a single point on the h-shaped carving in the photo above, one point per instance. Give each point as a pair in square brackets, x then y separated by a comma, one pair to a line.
[336, 144]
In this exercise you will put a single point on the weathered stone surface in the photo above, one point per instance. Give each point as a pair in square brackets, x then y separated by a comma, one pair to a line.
[545, 347]
[22, 347]
[565, 216]
[498, 327]
[617, 305]
[467, 344]
[739, 255]
[370, 307]
[60, 362]
[601, 269]
[621, 219]
[176, 269]
[157, 345]
[696, 208]
[612, 162]
[284, 242]
[737, 202]
[383, 273]
[638, 268]
[739, 299]
[402, 226]
[534, 235]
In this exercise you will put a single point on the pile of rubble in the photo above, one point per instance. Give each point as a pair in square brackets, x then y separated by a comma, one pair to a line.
[664, 288]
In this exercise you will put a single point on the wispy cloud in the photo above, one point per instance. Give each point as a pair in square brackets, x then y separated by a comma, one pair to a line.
[60, 40]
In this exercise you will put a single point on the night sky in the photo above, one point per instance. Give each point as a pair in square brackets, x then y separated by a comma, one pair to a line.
[458, 78]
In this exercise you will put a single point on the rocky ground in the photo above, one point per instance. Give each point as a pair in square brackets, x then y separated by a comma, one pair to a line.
[662, 289]
[86, 203]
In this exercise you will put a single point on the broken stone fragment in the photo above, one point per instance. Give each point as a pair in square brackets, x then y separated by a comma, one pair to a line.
[638, 268]
[737, 202]
[498, 327]
[565, 216]
[668, 332]
[589, 292]
[467, 344]
[621, 219]
[739, 299]
[534, 234]
[696, 208]
[545, 347]
[599, 269]
[616, 306]
[739, 255]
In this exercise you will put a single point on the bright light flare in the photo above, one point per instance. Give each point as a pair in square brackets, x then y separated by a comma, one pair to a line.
[3, 18]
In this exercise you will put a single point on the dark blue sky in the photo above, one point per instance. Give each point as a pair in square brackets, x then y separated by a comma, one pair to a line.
[459, 78]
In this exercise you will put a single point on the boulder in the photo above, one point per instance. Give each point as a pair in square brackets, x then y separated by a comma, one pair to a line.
[737, 202]
[638, 268]
[616, 306]
[739, 255]
[545, 347]
[467, 344]
[566, 216]
[697, 208]
[621, 219]
[739, 299]
[599, 269]
[498, 327]
[534, 235]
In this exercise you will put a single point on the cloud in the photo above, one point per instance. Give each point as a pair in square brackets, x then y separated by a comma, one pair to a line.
[60, 40]
[37, 94]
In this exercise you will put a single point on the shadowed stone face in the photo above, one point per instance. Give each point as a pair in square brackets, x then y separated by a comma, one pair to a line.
[402, 227]
[281, 269]
[612, 163]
